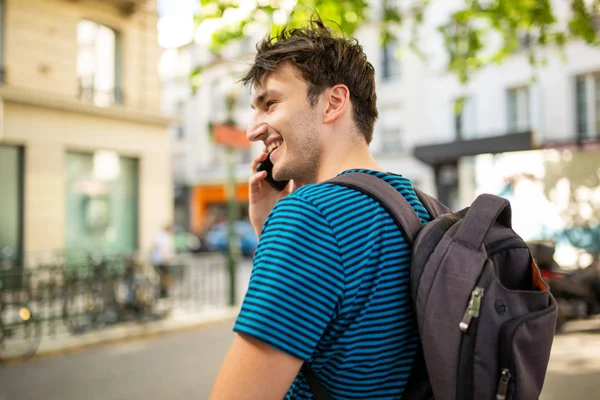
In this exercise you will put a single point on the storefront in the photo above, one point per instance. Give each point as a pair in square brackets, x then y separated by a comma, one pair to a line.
[554, 195]
[81, 179]
[101, 202]
[209, 204]
[554, 192]
[446, 157]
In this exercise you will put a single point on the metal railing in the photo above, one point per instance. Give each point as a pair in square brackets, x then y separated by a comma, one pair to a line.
[51, 294]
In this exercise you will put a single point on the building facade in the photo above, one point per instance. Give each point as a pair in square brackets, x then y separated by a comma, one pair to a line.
[528, 133]
[506, 108]
[84, 147]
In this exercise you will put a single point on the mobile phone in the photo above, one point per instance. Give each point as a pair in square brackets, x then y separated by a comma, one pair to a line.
[267, 165]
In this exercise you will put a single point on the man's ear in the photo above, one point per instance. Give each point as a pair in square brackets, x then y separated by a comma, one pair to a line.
[337, 100]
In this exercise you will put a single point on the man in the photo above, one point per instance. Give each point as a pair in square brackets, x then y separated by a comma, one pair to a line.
[329, 285]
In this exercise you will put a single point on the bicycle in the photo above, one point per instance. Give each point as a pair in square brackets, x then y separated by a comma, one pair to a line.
[20, 329]
[103, 297]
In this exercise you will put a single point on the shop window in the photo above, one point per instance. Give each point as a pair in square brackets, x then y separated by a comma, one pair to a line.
[101, 203]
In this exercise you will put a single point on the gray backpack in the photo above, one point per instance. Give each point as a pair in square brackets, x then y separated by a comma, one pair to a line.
[486, 318]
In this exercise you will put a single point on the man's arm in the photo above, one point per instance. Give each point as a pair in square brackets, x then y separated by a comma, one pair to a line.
[253, 370]
[295, 290]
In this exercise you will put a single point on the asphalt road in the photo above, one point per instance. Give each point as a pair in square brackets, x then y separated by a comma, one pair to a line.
[175, 366]
[184, 365]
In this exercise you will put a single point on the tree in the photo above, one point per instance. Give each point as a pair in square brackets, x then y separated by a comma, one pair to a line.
[465, 31]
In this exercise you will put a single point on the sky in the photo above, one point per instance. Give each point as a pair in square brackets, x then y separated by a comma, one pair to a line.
[176, 23]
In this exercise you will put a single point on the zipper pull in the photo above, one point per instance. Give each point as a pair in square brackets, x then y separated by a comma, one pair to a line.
[472, 309]
[503, 385]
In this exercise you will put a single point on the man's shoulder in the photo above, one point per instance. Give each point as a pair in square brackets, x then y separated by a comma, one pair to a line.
[323, 197]
[330, 198]
[325, 193]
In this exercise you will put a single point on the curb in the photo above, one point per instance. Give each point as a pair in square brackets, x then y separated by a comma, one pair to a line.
[72, 344]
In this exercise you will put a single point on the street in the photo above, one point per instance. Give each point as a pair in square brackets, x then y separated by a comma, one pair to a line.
[184, 365]
[174, 366]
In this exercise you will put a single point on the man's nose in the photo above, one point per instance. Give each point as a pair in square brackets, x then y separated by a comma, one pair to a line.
[257, 130]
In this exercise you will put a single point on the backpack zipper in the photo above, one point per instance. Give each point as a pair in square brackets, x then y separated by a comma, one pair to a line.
[473, 308]
[470, 323]
[503, 385]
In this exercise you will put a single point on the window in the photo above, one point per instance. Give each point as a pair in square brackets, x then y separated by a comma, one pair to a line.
[464, 119]
[390, 131]
[98, 64]
[390, 62]
[218, 107]
[180, 112]
[101, 207]
[587, 104]
[518, 110]
[179, 168]
[2, 72]
[596, 20]
[391, 139]
[11, 202]
[581, 105]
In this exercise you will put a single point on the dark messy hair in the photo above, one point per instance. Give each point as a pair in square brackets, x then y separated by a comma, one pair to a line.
[324, 60]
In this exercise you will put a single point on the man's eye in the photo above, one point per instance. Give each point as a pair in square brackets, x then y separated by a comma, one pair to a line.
[269, 104]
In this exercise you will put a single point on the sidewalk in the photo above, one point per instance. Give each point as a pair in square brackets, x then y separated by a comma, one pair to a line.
[178, 320]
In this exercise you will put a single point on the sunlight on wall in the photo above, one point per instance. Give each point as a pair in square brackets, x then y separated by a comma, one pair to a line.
[520, 178]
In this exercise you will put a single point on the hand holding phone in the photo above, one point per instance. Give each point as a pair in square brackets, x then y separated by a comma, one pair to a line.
[263, 197]
[267, 165]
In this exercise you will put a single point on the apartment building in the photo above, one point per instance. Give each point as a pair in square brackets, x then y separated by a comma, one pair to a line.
[506, 108]
[528, 133]
[84, 147]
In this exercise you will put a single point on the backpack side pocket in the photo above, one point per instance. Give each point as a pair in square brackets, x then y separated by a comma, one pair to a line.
[524, 352]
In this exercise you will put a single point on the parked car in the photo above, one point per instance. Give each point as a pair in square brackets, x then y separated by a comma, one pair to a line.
[216, 237]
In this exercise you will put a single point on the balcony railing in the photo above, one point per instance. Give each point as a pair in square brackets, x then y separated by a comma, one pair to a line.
[98, 97]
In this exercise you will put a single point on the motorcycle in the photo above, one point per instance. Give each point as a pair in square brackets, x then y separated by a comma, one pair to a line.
[577, 292]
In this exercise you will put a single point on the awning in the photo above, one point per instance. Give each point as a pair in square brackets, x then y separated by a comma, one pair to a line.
[449, 152]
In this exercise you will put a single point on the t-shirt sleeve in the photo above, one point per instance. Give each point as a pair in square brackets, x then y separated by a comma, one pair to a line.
[297, 280]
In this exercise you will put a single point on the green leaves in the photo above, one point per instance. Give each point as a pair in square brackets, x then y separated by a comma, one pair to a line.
[581, 24]
[196, 78]
[519, 24]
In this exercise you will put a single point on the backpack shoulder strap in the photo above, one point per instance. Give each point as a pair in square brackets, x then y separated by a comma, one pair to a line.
[389, 198]
[434, 207]
[316, 387]
[403, 214]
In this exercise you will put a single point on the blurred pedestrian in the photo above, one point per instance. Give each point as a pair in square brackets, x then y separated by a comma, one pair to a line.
[330, 282]
[163, 257]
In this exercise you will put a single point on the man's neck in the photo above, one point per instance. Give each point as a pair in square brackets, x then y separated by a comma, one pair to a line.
[343, 159]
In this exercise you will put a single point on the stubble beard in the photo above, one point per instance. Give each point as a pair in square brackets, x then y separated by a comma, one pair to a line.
[303, 160]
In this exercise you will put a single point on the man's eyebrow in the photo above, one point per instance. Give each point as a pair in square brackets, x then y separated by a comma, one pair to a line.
[261, 97]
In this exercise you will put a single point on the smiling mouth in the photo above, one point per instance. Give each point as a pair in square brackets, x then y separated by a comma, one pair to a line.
[274, 146]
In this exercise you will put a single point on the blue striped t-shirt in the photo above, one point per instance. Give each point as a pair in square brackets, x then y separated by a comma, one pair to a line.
[330, 286]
